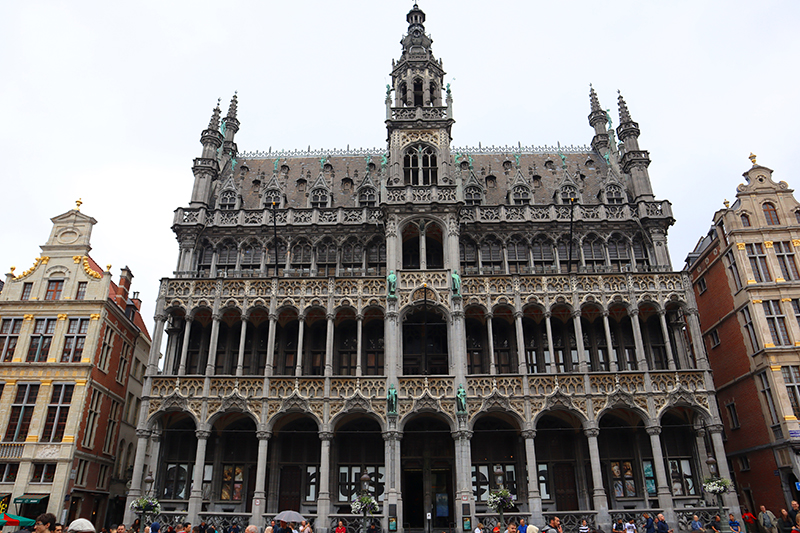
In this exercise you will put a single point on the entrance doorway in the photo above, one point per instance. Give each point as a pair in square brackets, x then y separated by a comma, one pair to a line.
[427, 454]
[413, 499]
[564, 484]
[290, 488]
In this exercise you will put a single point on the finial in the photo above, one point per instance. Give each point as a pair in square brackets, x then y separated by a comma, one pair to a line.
[752, 158]
[78, 204]
[593, 100]
[233, 107]
[213, 124]
[13, 268]
[108, 268]
[624, 114]
[726, 203]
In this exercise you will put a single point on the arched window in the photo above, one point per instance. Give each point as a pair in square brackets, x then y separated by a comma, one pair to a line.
[640, 254]
[619, 253]
[367, 197]
[226, 258]
[326, 258]
[420, 165]
[418, 93]
[491, 257]
[770, 214]
[472, 196]
[272, 196]
[521, 195]
[204, 258]
[352, 258]
[424, 343]
[403, 93]
[276, 261]
[569, 194]
[614, 195]
[227, 200]
[376, 257]
[469, 256]
[432, 91]
[319, 198]
[594, 257]
[564, 255]
[301, 258]
[517, 251]
[745, 221]
[251, 258]
[543, 258]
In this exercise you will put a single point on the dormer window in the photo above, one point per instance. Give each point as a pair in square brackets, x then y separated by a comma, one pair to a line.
[272, 196]
[227, 201]
[418, 96]
[319, 198]
[771, 215]
[472, 196]
[521, 195]
[569, 194]
[614, 195]
[420, 165]
[745, 221]
[367, 198]
[54, 288]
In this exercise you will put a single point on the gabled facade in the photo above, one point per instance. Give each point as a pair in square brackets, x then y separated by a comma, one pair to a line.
[426, 314]
[747, 286]
[68, 338]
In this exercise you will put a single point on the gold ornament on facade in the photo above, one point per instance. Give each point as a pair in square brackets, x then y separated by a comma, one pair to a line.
[36, 262]
[89, 271]
[78, 204]
[752, 158]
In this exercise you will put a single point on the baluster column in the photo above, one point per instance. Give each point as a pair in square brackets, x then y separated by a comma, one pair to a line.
[269, 368]
[259, 494]
[135, 491]
[599, 492]
[534, 496]
[667, 344]
[359, 341]
[187, 330]
[242, 338]
[549, 327]
[641, 355]
[612, 359]
[662, 483]
[576, 323]
[490, 340]
[522, 359]
[212, 346]
[324, 500]
[196, 497]
[300, 330]
[328, 370]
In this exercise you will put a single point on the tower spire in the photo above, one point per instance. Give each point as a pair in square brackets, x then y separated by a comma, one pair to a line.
[634, 161]
[206, 167]
[624, 114]
[232, 109]
[597, 120]
[213, 124]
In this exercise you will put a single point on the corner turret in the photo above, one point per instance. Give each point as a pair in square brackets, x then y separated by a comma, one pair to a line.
[206, 167]
[633, 161]
[598, 119]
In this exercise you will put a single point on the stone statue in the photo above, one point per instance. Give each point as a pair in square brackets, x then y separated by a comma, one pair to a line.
[608, 119]
[516, 157]
[391, 400]
[275, 167]
[563, 160]
[461, 400]
[388, 90]
[391, 281]
[384, 160]
[607, 157]
[456, 283]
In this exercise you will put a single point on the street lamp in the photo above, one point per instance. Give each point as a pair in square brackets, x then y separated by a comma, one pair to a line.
[365, 479]
[712, 469]
[499, 478]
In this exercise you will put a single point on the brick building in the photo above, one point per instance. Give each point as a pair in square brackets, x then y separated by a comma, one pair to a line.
[745, 277]
[426, 315]
[69, 337]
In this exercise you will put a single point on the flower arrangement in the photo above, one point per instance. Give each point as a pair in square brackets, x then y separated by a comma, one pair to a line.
[500, 499]
[717, 486]
[146, 504]
[364, 504]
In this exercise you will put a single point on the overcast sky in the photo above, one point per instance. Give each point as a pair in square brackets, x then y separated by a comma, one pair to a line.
[106, 101]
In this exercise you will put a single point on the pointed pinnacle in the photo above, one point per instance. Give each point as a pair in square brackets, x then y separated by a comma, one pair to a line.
[624, 114]
[594, 100]
[233, 107]
[213, 124]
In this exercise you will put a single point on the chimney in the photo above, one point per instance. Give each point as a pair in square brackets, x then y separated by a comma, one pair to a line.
[125, 278]
[136, 300]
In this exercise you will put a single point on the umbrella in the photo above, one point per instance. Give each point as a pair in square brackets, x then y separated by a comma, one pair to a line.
[289, 516]
[13, 520]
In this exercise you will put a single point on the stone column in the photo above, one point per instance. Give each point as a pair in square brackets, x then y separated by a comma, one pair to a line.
[212, 345]
[665, 332]
[391, 447]
[213, 270]
[324, 496]
[196, 496]
[155, 345]
[641, 355]
[583, 367]
[171, 355]
[700, 441]
[359, 342]
[458, 355]
[662, 482]
[269, 369]
[612, 357]
[391, 326]
[300, 330]
[259, 494]
[328, 370]
[490, 340]
[534, 496]
[392, 255]
[549, 326]
[423, 249]
[697, 338]
[187, 330]
[729, 499]
[599, 492]
[242, 338]
[155, 450]
[463, 459]
[138, 473]
[522, 360]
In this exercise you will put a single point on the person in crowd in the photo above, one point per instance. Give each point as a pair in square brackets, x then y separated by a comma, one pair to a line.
[553, 525]
[767, 522]
[796, 527]
[309, 529]
[648, 525]
[340, 528]
[522, 527]
[630, 527]
[81, 525]
[619, 526]
[696, 525]
[510, 528]
[584, 527]
[44, 523]
[750, 521]
[785, 522]
[59, 528]
[254, 529]
[203, 526]
[496, 528]
[716, 524]
[479, 528]
[187, 527]
[734, 524]
[662, 526]
[794, 511]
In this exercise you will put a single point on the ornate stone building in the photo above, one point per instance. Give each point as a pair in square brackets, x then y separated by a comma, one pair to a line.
[329, 307]
[747, 287]
[69, 340]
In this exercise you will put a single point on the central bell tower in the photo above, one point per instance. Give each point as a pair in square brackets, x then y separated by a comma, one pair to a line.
[419, 119]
